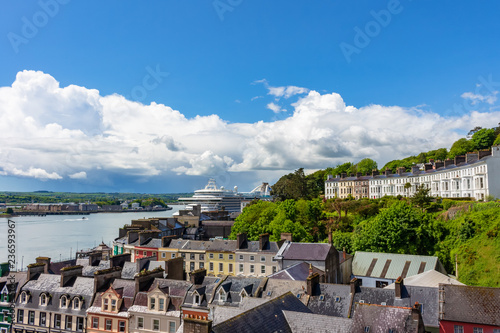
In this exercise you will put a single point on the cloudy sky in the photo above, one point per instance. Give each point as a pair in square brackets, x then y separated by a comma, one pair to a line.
[160, 96]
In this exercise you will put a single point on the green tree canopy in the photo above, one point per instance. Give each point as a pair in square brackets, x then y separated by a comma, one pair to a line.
[460, 147]
[484, 138]
[366, 165]
[291, 186]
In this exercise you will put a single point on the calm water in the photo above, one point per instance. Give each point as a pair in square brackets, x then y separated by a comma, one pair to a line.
[58, 236]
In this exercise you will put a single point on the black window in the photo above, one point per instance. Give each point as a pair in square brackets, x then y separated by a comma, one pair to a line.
[79, 324]
[31, 317]
[57, 321]
[43, 319]
[20, 316]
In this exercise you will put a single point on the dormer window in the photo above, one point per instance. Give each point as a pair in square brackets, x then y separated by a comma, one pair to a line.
[222, 296]
[76, 303]
[63, 302]
[24, 297]
[152, 303]
[106, 304]
[113, 305]
[161, 304]
[43, 299]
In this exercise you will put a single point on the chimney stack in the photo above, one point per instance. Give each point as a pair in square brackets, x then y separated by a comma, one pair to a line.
[484, 153]
[398, 287]
[94, 258]
[431, 161]
[312, 282]
[102, 277]
[287, 236]
[143, 280]
[45, 261]
[145, 235]
[343, 175]
[69, 272]
[193, 325]
[358, 174]
[355, 283]
[132, 236]
[120, 259]
[471, 157]
[387, 172]
[448, 162]
[428, 166]
[197, 276]
[166, 240]
[174, 269]
[415, 169]
[459, 159]
[241, 241]
[34, 269]
[263, 241]
[438, 164]
[401, 170]
[375, 172]
[416, 311]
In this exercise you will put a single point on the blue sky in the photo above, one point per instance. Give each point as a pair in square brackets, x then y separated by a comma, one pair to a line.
[245, 91]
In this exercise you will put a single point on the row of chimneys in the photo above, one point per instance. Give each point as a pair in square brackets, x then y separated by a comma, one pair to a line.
[467, 158]
[242, 240]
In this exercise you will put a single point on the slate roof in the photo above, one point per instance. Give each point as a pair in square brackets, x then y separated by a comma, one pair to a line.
[233, 287]
[126, 288]
[478, 305]
[392, 265]
[152, 243]
[19, 280]
[304, 251]
[298, 271]
[223, 313]
[177, 291]
[220, 245]
[50, 284]
[276, 288]
[330, 299]
[314, 323]
[382, 318]
[426, 296]
[431, 278]
[254, 246]
[267, 317]
[205, 290]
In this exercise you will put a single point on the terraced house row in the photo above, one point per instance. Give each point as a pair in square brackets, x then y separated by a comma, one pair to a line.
[475, 175]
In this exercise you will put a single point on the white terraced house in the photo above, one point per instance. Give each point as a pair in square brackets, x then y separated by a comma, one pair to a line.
[475, 175]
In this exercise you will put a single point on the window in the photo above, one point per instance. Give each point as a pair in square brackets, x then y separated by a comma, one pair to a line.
[252, 258]
[156, 324]
[230, 268]
[43, 299]
[221, 256]
[262, 259]
[106, 304]
[241, 257]
[458, 329]
[252, 269]
[381, 284]
[263, 269]
[79, 324]
[197, 299]
[20, 316]
[24, 297]
[274, 269]
[211, 255]
[478, 330]
[31, 317]
[144, 253]
[202, 264]
[202, 257]
[211, 267]
[171, 327]
[173, 255]
[192, 256]
[121, 326]
[367, 328]
[496, 330]
[69, 322]
[108, 324]
[76, 303]
[57, 321]
[140, 322]
[191, 266]
[230, 257]
[152, 301]
[43, 319]
[95, 322]
[221, 267]
[163, 255]
[161, 305]
[241, 268]
[113, 305]
[222, 296]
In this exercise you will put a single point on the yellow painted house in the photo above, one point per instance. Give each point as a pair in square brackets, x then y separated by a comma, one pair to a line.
[220, 257]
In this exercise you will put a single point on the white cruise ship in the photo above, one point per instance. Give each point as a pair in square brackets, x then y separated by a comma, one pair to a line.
[213, 198]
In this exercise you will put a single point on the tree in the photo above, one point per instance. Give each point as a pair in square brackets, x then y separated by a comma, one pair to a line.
[421, 198]
[366, 165]
[497, 141]
[484, 138]
[460, 147]
[9, 211]
[291, 186]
